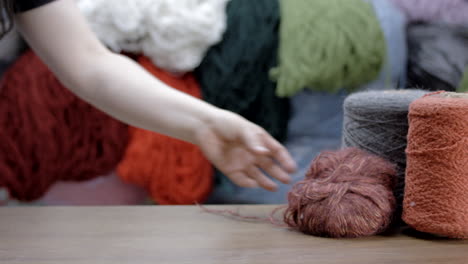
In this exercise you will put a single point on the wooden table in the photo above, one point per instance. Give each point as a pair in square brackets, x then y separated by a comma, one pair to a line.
[185, 234]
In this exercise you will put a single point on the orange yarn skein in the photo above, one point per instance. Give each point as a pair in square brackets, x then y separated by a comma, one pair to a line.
[173, 171]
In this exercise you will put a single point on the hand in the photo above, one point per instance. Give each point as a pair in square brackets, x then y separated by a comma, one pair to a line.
[241, 150]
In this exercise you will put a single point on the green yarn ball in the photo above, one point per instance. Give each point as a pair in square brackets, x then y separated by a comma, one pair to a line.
[326, 45]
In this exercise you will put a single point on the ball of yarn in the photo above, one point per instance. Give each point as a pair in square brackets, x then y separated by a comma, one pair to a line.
[376, 121]
[347, 193]
[326, 45]
[234, 73]
[173, 171]
[49, 134]
[436, 196]
[438, 56]
[446, 11]
[174, 34]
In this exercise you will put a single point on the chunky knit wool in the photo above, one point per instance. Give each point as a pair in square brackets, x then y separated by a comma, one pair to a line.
[48, 134]
[171, 170]
[174, 34]
[234, 73]
[326, 45]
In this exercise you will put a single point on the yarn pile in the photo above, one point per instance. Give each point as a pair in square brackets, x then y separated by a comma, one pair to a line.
[436, 197]
[49, 134]
[234, 73]
[171, 170]
[377, 122]
[174, 34]
[347, 193]
[404, 152]
[349, 52]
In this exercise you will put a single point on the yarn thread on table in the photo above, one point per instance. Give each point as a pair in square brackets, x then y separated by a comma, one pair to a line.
[376, 121]
[326, 45]
[49, 134]
[234, 73]
[436, 196]
[173, 171]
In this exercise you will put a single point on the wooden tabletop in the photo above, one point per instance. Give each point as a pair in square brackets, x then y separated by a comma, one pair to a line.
[185, 234]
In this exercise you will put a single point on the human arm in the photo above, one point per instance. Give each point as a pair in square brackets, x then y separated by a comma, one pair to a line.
[113, 83]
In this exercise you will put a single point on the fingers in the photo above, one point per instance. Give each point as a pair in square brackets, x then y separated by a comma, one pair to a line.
[262, 180]
[253, 139]
[280, 154]
[270, 156]
[275, 171]
[243, 180]
[261, 143]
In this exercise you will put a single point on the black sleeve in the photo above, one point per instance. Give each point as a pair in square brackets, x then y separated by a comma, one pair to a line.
[25, 5]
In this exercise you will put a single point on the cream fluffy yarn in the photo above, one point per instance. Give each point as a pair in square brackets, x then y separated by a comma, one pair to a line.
[175, 34]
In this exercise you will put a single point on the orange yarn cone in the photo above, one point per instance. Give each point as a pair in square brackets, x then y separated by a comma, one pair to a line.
[173, 171]
[436, 191]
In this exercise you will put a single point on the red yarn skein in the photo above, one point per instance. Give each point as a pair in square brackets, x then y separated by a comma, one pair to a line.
[173, 171]
[48, 134]
[346, 194]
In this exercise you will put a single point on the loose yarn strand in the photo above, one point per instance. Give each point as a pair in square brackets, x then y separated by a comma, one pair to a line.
[237, 215]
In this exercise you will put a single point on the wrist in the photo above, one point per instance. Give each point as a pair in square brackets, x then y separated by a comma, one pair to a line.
[207, 126]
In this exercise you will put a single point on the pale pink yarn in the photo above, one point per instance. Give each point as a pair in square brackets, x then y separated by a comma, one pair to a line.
[445, 11]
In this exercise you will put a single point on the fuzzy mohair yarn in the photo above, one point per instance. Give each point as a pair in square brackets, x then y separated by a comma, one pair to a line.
[48, 134]
[174, 34]
[326, 45]
[436, 195]
[172, 171]
[446, 11]
[345, 194]
[234, 73]
[438, 55]
[377, 122]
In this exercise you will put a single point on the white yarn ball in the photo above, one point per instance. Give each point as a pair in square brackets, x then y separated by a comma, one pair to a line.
[174, 34]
